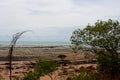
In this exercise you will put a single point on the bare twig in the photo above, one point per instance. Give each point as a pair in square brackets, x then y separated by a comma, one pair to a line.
[11, 47]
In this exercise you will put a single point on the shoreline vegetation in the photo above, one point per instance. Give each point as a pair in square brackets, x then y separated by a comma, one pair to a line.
[98, 61]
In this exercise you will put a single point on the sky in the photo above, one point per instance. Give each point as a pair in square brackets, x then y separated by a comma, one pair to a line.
[52, 20]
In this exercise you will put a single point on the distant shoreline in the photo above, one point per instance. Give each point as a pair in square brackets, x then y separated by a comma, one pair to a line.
[35, 44]
[35, 51]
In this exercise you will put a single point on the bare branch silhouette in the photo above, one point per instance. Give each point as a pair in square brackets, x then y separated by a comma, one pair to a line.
[11, 47]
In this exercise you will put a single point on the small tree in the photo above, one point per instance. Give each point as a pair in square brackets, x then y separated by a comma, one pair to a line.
[42, 67]
[104, 39]
[62, 57]
[46, 67]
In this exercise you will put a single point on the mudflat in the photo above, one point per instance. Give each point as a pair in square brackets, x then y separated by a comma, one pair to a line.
[33, 52]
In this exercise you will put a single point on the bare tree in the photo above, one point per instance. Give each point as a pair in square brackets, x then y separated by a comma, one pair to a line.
[11, 47]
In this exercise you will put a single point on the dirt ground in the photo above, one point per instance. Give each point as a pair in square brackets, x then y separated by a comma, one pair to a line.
[22, 65]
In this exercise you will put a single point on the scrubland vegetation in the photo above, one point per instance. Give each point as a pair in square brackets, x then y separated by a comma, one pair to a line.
[103, 39]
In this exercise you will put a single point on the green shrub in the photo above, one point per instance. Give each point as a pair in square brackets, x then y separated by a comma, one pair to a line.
[103, 63]
[62, 56]
[1, 77]
[45, 66]
[83, 75]
[42, 67]
[108, 64]
[16, 78]
[30, 76]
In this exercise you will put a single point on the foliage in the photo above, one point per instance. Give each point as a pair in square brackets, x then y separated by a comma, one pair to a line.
[108, 64]
[16, 78]
[45, 66]
[30, 76]
[42, 67]
[83, 75]
[62, 56]
[1, 77]
[104, 39]
[104, 34]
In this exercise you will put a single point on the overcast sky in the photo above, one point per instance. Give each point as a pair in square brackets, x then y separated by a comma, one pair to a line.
[52, 20]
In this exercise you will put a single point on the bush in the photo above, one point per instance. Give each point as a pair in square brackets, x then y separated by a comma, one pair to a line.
[62, 56]
[1, 77]
[30, 76]
[83, 75]
[103, 63]
[108, 65]
[42, 67]
[45, 66]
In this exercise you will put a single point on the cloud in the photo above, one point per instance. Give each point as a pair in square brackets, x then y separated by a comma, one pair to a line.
[42, 15]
